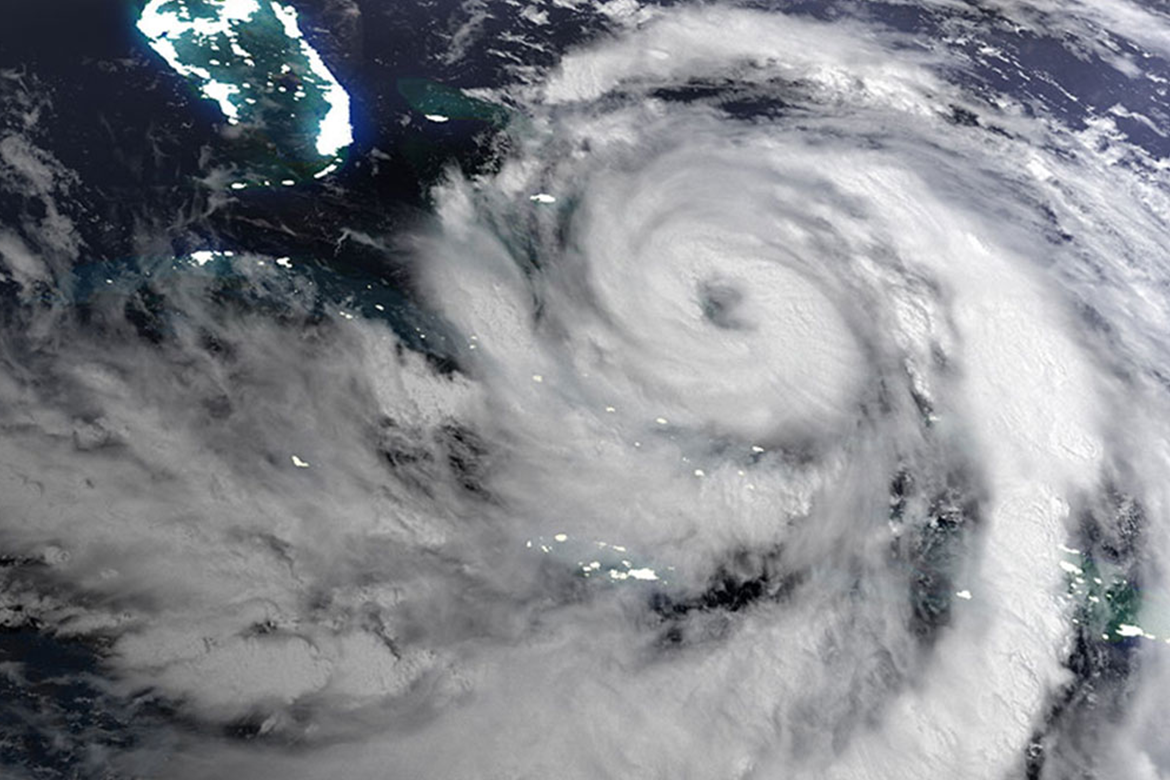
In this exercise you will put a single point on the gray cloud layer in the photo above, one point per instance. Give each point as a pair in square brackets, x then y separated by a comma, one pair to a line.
[780, 444]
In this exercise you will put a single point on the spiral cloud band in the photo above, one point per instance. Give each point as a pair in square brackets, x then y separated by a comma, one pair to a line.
[803, 415]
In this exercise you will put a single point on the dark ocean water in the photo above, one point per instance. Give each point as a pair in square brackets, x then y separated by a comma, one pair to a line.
[134, 153]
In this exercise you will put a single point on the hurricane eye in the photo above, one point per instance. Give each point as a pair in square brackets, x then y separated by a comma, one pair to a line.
[722, 304]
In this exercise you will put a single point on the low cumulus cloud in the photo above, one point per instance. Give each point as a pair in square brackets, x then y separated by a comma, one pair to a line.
[792, 423]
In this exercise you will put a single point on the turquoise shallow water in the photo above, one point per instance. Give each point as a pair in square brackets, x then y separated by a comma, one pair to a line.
[575, 389]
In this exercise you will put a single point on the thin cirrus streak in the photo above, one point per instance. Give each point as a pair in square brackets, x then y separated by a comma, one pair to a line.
[789, 427]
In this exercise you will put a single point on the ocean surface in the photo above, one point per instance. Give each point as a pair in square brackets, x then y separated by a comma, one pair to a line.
[582, 388]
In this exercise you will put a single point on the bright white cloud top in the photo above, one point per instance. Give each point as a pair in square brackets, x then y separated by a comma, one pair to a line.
[800, 413]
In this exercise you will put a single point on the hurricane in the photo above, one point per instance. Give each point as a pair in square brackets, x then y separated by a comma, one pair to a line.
[648, 390]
